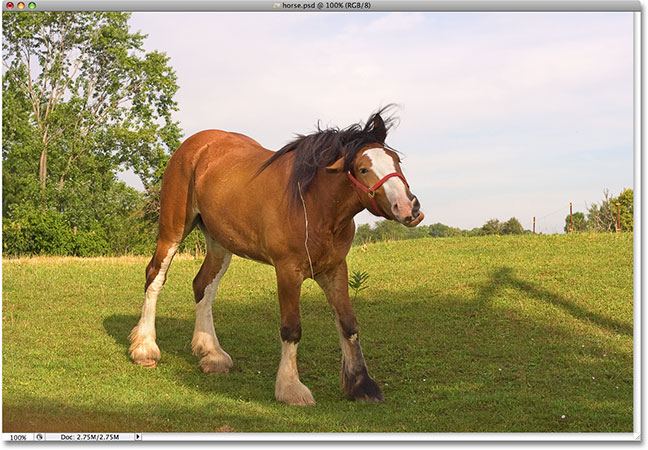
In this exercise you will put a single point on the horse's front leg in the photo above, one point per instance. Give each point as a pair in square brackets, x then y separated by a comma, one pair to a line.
[288, 388]
[356, 382]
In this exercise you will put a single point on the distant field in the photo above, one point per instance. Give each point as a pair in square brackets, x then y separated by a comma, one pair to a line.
[484, 334]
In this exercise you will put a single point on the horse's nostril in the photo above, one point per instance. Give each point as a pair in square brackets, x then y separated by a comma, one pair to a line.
[416, 208]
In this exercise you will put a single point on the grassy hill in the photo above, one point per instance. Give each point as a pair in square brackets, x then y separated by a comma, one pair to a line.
[488, 334]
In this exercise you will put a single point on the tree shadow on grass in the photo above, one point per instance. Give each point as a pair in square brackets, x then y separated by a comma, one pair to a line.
[504, 277]
[515, 370]
[59, 416]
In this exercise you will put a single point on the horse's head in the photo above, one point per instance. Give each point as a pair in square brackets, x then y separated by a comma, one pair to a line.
[378, 180]
[377, 173]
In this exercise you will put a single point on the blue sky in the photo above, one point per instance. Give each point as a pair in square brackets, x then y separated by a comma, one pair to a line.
[501, 114]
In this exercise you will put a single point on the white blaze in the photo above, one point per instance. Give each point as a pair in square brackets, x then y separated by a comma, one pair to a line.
[382, 164]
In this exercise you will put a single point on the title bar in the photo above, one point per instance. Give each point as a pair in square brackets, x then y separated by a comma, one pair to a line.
[304, 5]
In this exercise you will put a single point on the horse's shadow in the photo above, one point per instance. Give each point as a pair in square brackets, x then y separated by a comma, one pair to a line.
[250, 377]
[174, 334]
[452, 337]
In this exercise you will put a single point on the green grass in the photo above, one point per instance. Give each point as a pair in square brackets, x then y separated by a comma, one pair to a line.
[490, 334]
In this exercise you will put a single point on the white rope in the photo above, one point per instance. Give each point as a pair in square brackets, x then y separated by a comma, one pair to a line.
[310, 262]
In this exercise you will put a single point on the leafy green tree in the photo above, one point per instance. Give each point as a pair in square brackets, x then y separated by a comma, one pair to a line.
[580, 224]
[91, 89]
[626, 199]
[363, 234]
[83, 101]
[474, 232]
[387, 230]
[512, 226]
[493, 226]
[442, 230]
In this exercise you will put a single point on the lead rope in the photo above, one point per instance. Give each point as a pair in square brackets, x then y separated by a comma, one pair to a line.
[310, 262]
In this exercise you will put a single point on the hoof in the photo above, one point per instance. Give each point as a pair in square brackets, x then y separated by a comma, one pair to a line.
[146, 363]
[216, 363]
[363, 389]
[145, 355]
[143, 352]
[370, 398]
[294, 393]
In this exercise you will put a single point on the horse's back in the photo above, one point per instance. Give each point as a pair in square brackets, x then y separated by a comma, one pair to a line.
[214, 154]
[204, 146]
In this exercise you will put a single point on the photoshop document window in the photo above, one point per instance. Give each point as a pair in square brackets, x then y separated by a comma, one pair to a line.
[292, 220]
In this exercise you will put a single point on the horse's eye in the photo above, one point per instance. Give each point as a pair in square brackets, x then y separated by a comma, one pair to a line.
[363, 171]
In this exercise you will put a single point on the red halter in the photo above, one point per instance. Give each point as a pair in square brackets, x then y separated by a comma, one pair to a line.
[371, 192]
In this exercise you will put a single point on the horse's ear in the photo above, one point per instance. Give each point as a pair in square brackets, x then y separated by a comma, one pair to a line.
[379, 128]
[336, 166]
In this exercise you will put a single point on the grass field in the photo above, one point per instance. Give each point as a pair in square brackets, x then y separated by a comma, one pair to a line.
[489, 334]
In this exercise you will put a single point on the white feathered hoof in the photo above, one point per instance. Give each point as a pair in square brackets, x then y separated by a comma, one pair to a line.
[143, 351]
[219, 362]
[293, 392]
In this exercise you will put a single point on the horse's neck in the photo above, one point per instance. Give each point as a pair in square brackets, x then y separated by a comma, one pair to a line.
[336, 202]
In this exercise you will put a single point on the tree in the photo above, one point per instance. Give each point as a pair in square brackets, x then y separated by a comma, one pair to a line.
[603, 216]
[442, 230]
[578, 218]
[363, 234]
[512, 226]
[493, 226]
[626, 198]
[82, 101]
[95, 99]
[474, 232]
[387, 230]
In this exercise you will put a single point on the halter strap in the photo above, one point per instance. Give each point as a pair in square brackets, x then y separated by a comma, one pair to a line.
[371, 192]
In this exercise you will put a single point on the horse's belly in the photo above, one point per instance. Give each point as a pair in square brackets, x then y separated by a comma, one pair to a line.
[236, 238]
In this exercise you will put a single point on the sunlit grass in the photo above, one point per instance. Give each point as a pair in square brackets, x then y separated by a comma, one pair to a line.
[463, 335]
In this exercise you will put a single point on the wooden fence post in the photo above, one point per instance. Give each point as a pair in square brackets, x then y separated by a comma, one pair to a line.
[618, 223]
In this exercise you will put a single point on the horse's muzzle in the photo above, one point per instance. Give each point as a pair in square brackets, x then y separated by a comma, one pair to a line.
[412, 221]
[414, 218]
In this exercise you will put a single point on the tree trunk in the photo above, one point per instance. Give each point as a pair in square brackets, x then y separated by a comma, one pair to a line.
[42, 166]
[42, 174]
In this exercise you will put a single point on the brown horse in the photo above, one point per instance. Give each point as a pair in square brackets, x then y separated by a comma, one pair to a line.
[292, 209]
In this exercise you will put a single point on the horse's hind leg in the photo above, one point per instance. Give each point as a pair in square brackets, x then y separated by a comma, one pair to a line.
[143, 350]
[205, 343]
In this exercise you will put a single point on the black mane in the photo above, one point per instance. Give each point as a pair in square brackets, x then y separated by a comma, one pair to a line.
[324, 147]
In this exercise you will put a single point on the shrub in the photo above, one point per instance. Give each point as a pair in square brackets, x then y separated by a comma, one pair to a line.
[91, 243]
[37, 232]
